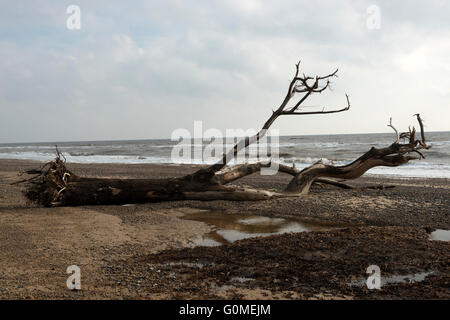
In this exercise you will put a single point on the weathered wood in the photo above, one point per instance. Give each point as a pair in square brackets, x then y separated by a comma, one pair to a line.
[88, 191]
[395, 155]
[54, 185]
[298, 84]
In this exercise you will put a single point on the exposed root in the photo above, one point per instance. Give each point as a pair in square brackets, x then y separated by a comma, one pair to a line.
[48, 184]
[54, 185]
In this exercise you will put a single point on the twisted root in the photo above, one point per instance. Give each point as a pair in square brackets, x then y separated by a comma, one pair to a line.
[49, 183]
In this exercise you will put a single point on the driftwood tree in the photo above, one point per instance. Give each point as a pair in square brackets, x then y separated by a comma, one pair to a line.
[55, 185]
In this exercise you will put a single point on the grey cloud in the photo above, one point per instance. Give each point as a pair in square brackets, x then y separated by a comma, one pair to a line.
[142, 70]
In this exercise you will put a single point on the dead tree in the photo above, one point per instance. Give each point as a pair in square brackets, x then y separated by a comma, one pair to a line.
[55, 185]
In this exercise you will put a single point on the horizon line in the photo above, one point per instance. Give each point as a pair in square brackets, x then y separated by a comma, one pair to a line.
[150, 139]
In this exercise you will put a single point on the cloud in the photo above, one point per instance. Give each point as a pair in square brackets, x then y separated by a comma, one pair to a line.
[142, 71]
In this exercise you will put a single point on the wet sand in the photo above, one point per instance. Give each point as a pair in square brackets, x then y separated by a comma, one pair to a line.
[147, 251]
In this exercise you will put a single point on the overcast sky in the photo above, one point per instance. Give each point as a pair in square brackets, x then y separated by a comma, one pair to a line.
[140, 69]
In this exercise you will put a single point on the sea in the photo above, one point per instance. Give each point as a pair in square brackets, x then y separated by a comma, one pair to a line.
[301, 150]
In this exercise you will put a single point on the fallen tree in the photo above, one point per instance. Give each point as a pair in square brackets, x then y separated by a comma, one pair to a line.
[55, 185]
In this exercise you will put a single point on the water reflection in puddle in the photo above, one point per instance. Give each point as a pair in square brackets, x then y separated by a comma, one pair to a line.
[241, 279]
[440, 235]
[409, 278]
[228, 228]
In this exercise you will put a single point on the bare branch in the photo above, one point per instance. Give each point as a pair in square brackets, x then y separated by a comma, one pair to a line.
[297, 85]
[291, 112]
[396, 132]
[334, 74]
[422, 132]
[236, 172]
[395, 155]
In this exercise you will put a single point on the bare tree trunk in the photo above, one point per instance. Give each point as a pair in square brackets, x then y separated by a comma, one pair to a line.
[54, 185]
[394, 155]
[297, 85]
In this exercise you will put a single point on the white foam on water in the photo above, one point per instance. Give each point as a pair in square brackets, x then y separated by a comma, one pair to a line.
[299, 150]
[38, 156]
[412, 170]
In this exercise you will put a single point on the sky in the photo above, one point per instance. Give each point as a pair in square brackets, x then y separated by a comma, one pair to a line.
[141, 69]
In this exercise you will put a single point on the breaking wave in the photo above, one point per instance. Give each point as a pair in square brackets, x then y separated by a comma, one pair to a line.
[301, 150]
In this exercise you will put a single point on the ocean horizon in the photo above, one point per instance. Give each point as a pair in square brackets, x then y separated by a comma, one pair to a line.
[303, 150]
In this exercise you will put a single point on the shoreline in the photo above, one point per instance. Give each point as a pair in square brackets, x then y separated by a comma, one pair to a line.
[36, 163]
[121, 248]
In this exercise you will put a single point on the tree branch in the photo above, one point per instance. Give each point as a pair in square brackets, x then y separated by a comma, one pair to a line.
[241, 170]
[297, 84]
[394, 155]
[395, 130]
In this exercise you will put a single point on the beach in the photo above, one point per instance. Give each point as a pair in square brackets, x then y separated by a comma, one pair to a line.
[149, 251]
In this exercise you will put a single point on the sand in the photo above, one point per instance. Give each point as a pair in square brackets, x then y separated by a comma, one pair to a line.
[145, 251]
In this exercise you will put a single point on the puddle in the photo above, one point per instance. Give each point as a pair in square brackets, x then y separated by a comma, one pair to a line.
[409, 278]
[234, 280]
[440, 235]
[241, 279]
[228, 228]
[198, 265]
